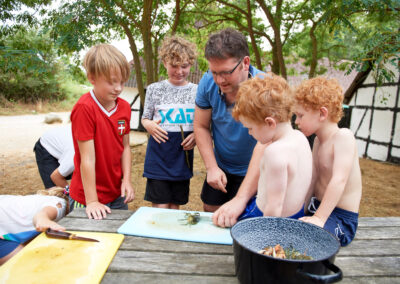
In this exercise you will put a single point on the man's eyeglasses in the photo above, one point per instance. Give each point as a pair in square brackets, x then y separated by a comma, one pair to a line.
[225, 74]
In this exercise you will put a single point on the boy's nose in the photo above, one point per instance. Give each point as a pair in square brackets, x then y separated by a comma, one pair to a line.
[119, 87]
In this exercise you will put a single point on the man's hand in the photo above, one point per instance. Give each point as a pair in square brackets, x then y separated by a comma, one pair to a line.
[227, 214]
[216, 178]
[96, 210]
[313, 220]
[127, 191]
[189, 142]
[155, 130]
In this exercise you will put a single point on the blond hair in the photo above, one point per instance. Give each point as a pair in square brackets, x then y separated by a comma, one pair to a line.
[267, 95]
[177, 50]
[54, 191]
[320, 92]
[102, 59]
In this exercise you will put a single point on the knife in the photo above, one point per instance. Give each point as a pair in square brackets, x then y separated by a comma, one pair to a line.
[66, 235]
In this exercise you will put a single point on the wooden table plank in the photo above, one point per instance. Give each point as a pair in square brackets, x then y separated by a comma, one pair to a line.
[379, 222]
[376, 233]
[175, 263]
[161, 245]
[370, 280]
[369, 248]
[157, 278]
[369, 266]
[115, 214]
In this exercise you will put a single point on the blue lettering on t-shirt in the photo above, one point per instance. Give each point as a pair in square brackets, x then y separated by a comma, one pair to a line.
[182, 116]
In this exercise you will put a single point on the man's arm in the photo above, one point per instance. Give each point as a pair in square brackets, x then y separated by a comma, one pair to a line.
[94, 209]
[126, 162]
[58, 179]
[227, 214]
[202, 120]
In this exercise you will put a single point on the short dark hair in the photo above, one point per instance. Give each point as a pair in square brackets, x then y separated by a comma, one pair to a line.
[225, 44]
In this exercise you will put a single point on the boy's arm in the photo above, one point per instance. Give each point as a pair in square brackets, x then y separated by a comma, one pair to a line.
[216, 178]
[275, 171]
[126, 162]
[227, 214]
[44, 219]
[94, 209]
[154, 129]
[310, 192]
[343, 155]
[58, 179]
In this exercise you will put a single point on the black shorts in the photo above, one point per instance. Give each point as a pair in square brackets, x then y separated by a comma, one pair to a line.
[213, 196]
[167, 191]
[46, 164]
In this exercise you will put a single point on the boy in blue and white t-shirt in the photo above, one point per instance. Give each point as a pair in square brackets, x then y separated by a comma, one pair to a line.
[168, 112]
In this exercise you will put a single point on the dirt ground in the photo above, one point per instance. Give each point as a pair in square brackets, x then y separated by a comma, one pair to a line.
[381, 189]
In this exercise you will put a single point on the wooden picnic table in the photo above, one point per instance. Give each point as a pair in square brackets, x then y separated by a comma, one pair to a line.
[372, 257]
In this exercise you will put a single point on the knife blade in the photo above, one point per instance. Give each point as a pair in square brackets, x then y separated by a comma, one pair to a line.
[66, 236]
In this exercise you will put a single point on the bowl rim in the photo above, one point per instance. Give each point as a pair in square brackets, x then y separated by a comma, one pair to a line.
[235, 241]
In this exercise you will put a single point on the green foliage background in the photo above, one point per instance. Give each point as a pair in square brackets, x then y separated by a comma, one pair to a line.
[31, 70]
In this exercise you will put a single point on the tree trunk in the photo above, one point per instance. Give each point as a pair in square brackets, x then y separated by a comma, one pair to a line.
[252, 37]
[146, 37]
[314, 51]
[275, 62]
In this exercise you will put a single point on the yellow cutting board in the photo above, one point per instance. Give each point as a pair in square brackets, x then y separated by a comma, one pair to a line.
[47, 260]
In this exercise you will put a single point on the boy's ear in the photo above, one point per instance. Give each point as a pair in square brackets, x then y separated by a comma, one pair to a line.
[270, 121]
[323, 113]
[91, 78]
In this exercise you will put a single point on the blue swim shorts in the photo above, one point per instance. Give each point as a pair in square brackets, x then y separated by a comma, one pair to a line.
[7, 247]
[341, 223]
[252, 210]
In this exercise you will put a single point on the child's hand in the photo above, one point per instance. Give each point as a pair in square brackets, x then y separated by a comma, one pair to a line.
[155, 130]
[96, 210]
[127, 191]
[226, 216]
[313, 220]
[43, 224]
[189, 142]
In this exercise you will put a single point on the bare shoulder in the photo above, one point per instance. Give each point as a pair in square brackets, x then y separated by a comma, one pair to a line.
[344, 135]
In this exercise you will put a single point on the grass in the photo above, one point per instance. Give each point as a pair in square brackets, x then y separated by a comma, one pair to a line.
[72, 89]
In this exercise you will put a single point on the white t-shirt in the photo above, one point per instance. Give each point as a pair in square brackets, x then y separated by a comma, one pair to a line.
[17, 211]
[58, 142]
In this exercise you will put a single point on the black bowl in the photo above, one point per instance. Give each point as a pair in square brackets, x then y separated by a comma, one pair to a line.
[251, 235]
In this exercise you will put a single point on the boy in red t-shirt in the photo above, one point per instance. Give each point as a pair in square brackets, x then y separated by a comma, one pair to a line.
[100, 130]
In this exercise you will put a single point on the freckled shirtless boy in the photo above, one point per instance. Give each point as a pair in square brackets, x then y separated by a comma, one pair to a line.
[264, 107]
[336, 186]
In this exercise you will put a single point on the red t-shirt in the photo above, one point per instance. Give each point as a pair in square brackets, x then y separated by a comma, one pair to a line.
[91, 121]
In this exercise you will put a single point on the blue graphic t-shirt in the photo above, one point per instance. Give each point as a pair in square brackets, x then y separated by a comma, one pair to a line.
[174, 106]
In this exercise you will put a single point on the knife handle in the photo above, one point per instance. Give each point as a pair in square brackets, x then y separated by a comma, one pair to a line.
[59, 234]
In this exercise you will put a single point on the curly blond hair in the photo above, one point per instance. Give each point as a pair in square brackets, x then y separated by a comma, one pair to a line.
[320, 92]
[267, 95]
[102, 59]
[177, 50]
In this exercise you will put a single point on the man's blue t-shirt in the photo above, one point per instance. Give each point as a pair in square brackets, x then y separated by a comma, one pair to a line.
[233, 145]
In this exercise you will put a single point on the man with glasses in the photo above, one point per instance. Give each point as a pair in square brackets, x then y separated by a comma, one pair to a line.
[224, 144]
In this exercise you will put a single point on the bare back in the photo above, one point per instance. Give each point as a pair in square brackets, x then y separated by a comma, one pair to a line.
[285, 175]
[336, 165]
